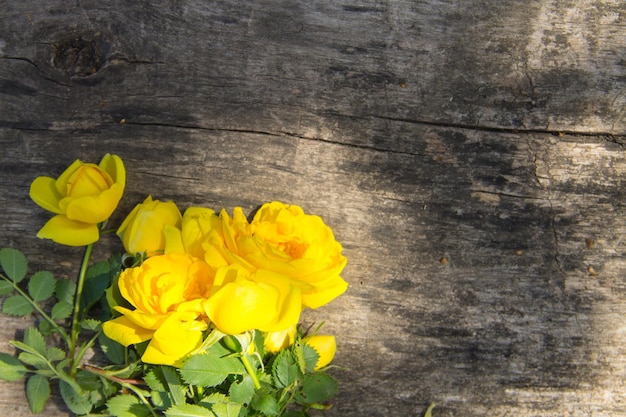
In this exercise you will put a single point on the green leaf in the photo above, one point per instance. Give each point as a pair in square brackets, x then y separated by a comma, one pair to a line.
[77, 402]
[37, 392]
[221, 405]
[55, 354]
[90, 324]
[243, 391]
[33, 360]
[127, 406]
[17, 305]
[317, 388]
[6, 287]
[34, 339]
[41, 285]
[210, 369]
[264, 402]
[174, 384]
[65, 290]
[61, 311]
[285, 369]
[46, 328]
[167, 388]
[26, 348]
[14, 264]
[11, 369]
[310, 357]
[88, 381]
[113, 350]
[158, 393]
[188, 410]
[96, 281]
[429, 410]
[204, 370]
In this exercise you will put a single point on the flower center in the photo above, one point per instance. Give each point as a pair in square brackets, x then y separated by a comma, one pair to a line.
[88, 180]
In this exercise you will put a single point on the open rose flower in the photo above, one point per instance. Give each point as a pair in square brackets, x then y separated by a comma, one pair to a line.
[167, 292]
[144, 229]
[283, 239]
[82, 197]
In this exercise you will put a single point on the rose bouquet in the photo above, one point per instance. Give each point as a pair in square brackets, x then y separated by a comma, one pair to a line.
[199, 317]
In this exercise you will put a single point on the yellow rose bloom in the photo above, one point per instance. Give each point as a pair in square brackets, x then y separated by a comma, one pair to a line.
[283, 239]
[83, 196]
[143, 230]
[275, 341]
[242, 300]
[168, 292]
[325, 346]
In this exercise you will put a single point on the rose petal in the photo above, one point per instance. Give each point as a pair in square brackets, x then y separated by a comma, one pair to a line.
[93, 208]
[69, 232]
[171, 343]
[125, 332]
[114, 166]
[44, 193]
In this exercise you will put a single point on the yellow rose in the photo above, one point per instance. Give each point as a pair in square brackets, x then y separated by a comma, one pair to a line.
[143, 230]
[242, 300]
[197, 224]
[325, 346]
[283, 239]
[275, 341]
[83, 196]
[168, 292]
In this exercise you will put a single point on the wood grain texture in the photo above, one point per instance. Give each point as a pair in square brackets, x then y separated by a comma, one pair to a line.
[469, 155]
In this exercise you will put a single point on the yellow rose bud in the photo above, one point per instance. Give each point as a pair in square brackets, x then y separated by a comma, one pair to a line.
[83, 196]
[198, 222]
[283, 239]
[276, 341]
[325, 346]
[263, 300]
[167, 292]
[143, 229]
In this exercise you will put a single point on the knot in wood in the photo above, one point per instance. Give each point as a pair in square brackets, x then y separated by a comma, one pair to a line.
[82, 56]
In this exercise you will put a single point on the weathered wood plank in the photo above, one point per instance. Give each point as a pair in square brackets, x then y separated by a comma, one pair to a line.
[291, 66]
[513, 316]
[486, 252]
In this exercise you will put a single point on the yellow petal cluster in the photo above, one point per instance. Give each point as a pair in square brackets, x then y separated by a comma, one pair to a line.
[168, 294]
[82, 197]
[283, 239]
[263, 272]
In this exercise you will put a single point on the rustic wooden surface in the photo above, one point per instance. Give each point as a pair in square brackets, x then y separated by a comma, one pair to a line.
[468, 154]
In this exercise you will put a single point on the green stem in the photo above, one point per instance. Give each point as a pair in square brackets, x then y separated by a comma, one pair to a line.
[83, 348]
[251, 372]
[76, 317]
[36, 306]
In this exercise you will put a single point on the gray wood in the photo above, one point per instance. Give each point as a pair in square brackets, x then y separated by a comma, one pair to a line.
[468, 154]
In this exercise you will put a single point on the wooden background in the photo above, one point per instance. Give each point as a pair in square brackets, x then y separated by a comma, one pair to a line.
[469, 155]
